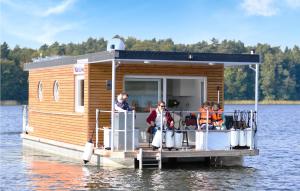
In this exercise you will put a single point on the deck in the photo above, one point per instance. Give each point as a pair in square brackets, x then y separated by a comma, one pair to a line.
[181, 153]
[142, 155]
[148, 157]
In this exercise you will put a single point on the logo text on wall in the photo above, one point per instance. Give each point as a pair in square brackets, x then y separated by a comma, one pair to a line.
[79, 66]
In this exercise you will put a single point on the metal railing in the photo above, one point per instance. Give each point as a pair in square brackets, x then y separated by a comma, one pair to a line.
[113, 130]
[237, 123]
[244, 121]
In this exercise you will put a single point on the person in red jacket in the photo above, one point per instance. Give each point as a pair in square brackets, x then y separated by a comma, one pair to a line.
[154, 119]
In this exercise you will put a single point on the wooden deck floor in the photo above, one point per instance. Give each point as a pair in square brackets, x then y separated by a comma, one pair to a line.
[180, 153]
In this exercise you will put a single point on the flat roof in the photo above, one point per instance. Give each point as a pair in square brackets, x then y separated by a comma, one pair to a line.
[150, 57]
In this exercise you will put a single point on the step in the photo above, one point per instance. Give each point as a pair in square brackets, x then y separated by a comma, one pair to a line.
[150, 164]
[149, 159]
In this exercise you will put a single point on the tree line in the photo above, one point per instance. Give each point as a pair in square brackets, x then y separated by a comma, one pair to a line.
[279, 72]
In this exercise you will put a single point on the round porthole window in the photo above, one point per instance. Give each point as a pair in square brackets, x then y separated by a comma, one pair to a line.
[40, 91]
[56, 90]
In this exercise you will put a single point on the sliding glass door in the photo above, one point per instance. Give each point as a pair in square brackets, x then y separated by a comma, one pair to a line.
[144, 93]
[179, 93]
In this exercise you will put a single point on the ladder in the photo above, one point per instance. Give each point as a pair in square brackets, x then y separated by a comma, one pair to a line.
[149, 161]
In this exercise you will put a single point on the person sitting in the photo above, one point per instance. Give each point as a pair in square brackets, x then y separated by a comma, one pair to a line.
[217, 116]
[121, 103]
[125, 102]
[154, 119]
[204, 118]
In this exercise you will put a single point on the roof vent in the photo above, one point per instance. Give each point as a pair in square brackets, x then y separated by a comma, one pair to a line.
[115, 44]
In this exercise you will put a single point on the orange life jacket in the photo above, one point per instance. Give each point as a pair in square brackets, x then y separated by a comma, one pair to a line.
[217, 117]
[203, 116]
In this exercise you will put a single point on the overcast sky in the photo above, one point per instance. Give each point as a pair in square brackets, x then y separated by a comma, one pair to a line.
[32, 23]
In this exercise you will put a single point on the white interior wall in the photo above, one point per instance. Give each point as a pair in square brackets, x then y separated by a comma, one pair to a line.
[186, 91]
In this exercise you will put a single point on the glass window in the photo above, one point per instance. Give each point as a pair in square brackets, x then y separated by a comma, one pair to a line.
[56, 90]
[79, 93]
[40, 91]
[143, 93]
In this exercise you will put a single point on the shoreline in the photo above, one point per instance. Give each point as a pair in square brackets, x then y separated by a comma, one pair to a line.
[11, 103]
[226, 102]
[263, 102]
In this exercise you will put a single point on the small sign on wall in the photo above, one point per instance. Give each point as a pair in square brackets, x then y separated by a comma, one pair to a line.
[79, 66]
[108, 84]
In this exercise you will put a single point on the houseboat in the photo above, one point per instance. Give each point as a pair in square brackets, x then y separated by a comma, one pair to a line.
[71, 107]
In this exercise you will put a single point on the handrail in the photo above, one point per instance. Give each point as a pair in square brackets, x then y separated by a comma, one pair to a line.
[125, 131]
[133, 127]
[251, 120]
[241, 120]
[206, 138]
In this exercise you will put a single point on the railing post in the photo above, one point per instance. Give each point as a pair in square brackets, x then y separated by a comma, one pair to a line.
[198, 121]
[256, 86]
[125, 131]
[113, 89]
[141, 159]
[161, 129]
[255, 116]
[206, 139]
[97, 127]
[133, 128]
[251, 125]
[160, 160]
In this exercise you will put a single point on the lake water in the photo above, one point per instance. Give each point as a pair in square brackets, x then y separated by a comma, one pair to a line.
[276, 168]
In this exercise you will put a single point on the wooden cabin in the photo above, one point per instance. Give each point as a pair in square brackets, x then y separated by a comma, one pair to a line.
[64, 92]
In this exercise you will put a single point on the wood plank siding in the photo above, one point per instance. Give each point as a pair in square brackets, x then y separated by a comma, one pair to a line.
[100, 98]
[57, 120]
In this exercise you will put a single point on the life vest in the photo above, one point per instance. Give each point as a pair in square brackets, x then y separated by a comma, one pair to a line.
[217, 117]
[203, 116]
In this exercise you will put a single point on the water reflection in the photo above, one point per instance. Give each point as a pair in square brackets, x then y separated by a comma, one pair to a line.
[173, 179]
[46, 171]
[47, 175]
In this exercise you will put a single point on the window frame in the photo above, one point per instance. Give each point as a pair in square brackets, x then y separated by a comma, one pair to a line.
[56, 91]
[40, 91]
[78, 93]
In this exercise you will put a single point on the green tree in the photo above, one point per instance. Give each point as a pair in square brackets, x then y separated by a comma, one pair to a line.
[279, 72]
[4, 51]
